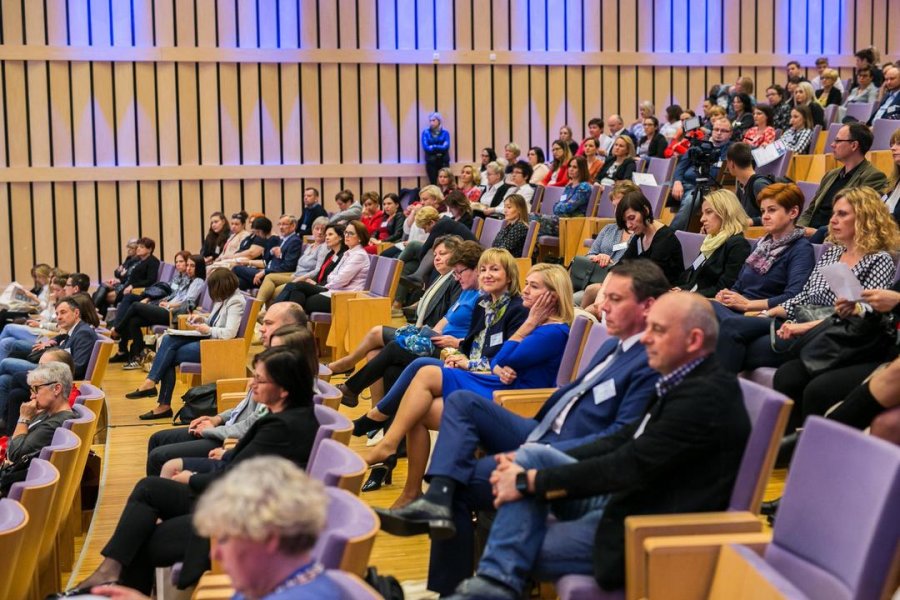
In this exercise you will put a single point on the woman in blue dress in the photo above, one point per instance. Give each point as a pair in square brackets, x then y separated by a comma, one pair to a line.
[529, 358]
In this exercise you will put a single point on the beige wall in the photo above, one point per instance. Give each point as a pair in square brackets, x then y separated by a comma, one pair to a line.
[120, 123]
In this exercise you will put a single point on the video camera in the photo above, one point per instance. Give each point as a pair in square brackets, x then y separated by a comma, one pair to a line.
[702, 154]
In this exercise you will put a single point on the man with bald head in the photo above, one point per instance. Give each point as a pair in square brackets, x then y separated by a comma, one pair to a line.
[206, 433]
[682, 456]
[616, 127]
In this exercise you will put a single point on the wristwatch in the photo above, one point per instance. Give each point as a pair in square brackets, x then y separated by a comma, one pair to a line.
[24, 421]
[522, 483]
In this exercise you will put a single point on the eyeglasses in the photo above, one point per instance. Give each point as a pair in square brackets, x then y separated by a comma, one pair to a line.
[257, 381]
[720, 130]
[350, 232]
[459, 274]
[36, 388]
[839, 140]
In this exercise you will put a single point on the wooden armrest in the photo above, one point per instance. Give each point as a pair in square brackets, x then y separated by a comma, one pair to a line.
[755, 232]
[137, 291]
[231, 386]
[640, 528]
[222, 359]
[229, 401]
[230, 443]
[682, 567]
[182, 322]
[353, 314]
[525, 403]
[382, 246]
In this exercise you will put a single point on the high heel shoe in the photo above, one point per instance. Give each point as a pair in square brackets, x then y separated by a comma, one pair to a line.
[381, 474]
[346, 372]
[364, 425]
[348, 397]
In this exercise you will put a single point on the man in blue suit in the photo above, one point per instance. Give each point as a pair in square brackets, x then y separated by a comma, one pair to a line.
[612, 392]
[281, 259]
[889, 107]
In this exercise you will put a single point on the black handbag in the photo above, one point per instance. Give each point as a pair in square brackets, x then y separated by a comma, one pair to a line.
[840, 342]
[584, 272]
[199, 401]
[15, 472]
[157, 291]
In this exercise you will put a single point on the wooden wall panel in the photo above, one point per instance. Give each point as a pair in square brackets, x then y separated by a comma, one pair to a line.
[334, 94]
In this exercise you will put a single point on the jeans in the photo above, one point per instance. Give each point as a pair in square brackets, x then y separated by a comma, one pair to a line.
[13, 333]
[172, 352]
[686, 209]
[391, 401]
[522, 543]
[8, 368]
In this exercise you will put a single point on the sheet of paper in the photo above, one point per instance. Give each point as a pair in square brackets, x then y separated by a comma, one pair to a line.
[644, 179]
[186, 333]
[842, 281]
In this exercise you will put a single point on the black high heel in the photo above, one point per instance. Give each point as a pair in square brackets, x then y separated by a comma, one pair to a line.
[364, 426]
[381, 474]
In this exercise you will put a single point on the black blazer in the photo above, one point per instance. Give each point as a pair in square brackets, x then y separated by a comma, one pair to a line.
[441, 302]
[834, 96]
[512, 319]
[685, 461]
[445, 226]
[625, 170]
[331, 266]
[395, 227]
[657, 146]
[720, 270]
[310, 214]
[144, 273]
[665, 251]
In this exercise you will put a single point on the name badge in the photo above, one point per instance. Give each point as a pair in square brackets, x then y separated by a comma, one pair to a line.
[698, 261]
[641, 427]
[496, 339]
[604, 391]
[622, 246]
[303, 227]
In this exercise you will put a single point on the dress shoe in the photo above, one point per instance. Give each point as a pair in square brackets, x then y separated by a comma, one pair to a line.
[770, 508]
[786, 450]
[348, 398]
[346, 372]
[152, 416]
[418, 517]
[364, 426]
[381, 474]
[151, 393]
[483, 588]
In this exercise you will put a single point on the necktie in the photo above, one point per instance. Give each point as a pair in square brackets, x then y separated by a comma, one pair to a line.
[576, 392]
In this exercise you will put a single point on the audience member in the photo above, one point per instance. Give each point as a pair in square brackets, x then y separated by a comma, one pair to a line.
[349, 209]
[892, 190]
[445, 180]
[742, 119]
[511, 152]
[794, 71]
[595, 130]
[798, 136]
[739, 162]
[650, 238]
[565, 136]
[20, 390]
[312, 211]
[685, 177]
[574, 199]
[558, 174]
[866, 58]
[589, 150]
[333, 240]
[236, 235]
[372, 215]
[619, 164]
[519, 176]
[889, 106]
[513, 233]
[496, 189]
[469, 182]
[282, 258]
[391, 227]
[781, 107]
[653, 143]
[865, 90]
[435, 145]
[830, 92]
[762, 133]
[645, 111]
[487, 156]
[672, 125]
[216, 237]
[804, 95]
[539, 166]
[821, 68]
[308, 264]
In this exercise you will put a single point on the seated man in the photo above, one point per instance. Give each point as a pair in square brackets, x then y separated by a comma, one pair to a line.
[612, 392]
[206, 433]
[682, 456]
[686, 173]
[349, 209]
[281, 258]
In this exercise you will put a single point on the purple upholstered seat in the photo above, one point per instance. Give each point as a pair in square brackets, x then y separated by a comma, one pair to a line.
[489, 231]
[63, 440]
[809, 190]
[95, 355]
[596, 338]
[534, 228]
[861, 111]
[83, 415]
[690, 246]
[12, 515]
[549, 198]
[578, 330]
[351, 586]
[40, 473]
[590, 209]
[332, 461]
[166, 272]
[604, 208]
[324, 390]
[348, 518]
[838, 523]
[764, 376]
[378, 282]
[661, 169]
[330, 421]
[86, 391]
[764, 407]
[655, 195]
[778, 167]
[882, 130]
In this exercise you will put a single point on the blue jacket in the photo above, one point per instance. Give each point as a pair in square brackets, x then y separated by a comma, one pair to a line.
[588, 421]
[435, 145]
[80, 344]
[687, 174]
[513, 318]
[291, 248]
[784, 280]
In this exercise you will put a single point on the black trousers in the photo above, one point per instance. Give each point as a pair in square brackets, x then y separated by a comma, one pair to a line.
[309, 296]
[387, 365]
[434, 163]
[141, 544]
[175, 443]
[814, 395]
[137, 316]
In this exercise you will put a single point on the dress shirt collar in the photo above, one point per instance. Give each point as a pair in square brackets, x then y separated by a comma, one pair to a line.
[668, 382]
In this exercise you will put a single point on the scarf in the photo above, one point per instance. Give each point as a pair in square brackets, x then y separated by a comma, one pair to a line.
[768, 250]
[493, 312]
[711, 243]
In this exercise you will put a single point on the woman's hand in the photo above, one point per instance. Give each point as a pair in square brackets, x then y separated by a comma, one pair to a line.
[543, 308]
[216, 453]
[33, 323]
[733, 300]
[457, 361]
[445, 341]
[27, 410]
[794, 330]
[601, 259]
[882, 300]
[202, 328]
[183, 477]
[117, 592]
[506, 374]
[845, 308]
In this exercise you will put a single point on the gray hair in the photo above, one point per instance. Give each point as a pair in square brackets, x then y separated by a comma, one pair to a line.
[56, 372]
[514, 148]
[495, 167]
[290, 218]
[261, 497]
[323, 221]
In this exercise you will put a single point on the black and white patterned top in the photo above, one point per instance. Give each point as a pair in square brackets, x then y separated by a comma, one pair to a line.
[873, 271]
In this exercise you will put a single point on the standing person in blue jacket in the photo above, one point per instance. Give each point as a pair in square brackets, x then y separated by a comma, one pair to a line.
[612, 392]
[436, 145]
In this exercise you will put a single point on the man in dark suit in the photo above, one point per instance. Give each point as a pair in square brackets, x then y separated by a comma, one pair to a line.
[282, 258]
[682, 456]
[612, 392]
[312, 210]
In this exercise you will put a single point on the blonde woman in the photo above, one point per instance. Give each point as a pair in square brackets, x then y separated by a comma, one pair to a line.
[805, 95]
[892, 191]
[620, 164]
[724, 249]
[512, 234]
[529, 358]
[468, 184]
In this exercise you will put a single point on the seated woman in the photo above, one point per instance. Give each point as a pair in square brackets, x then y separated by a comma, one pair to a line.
[20, 391]
[155, 527]
[619, 165]
[608, 247]
[33, 329]
[446, 307]
[334, 242]
[724, 248]
[805, 95]
[253, 248]
[649, 238]
[187, 286]
[141, 275]
[574, 200]
[216, 237]
[798, 137]
[863, 234]
[418, 270]
[891, 195]
[512, 234]
[558, 173]
[762, 133]
[742, 106]
[829, 94]
[781, 262]
[372, 215]
[539, 166]
[469, 181]
[593, 158]
[391, 227]
[349, 274]
[50, 386]
[237, 226]
[223, 324]
[529, 358]
[309, 263]
[653, 143]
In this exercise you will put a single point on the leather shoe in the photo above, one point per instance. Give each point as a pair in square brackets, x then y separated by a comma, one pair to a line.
[152, 416]
[418, 517]
[786, 450]
[348, 398]
[483, 588]
[151, 393]
[770, 508]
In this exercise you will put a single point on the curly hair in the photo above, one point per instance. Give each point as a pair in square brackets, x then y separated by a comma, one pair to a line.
[875, 228]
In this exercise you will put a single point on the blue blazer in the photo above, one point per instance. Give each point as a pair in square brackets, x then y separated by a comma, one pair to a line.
[512, 319]
[80, 345]
[635, 386]
[290, 254]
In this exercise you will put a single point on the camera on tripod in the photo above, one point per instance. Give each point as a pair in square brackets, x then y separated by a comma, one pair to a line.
[702, 154]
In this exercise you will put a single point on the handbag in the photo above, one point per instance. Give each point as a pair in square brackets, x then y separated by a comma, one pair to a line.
[584, 272]
[14, 472]
[408, 338]
[840, 342]
[198, 401]
[157, 291]
[812, 312]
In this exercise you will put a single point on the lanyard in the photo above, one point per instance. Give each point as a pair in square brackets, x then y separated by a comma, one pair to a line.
[301, 576]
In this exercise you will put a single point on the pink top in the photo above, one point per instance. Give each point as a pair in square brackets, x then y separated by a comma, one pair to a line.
[350, 274]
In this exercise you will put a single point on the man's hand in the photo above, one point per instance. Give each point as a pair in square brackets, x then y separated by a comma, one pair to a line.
[276, 251]
[503, 481]
[257, 279]
[117, 592]
[677, 190]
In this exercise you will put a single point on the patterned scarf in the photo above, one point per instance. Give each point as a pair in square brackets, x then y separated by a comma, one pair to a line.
[768, 250]
[493, 312]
